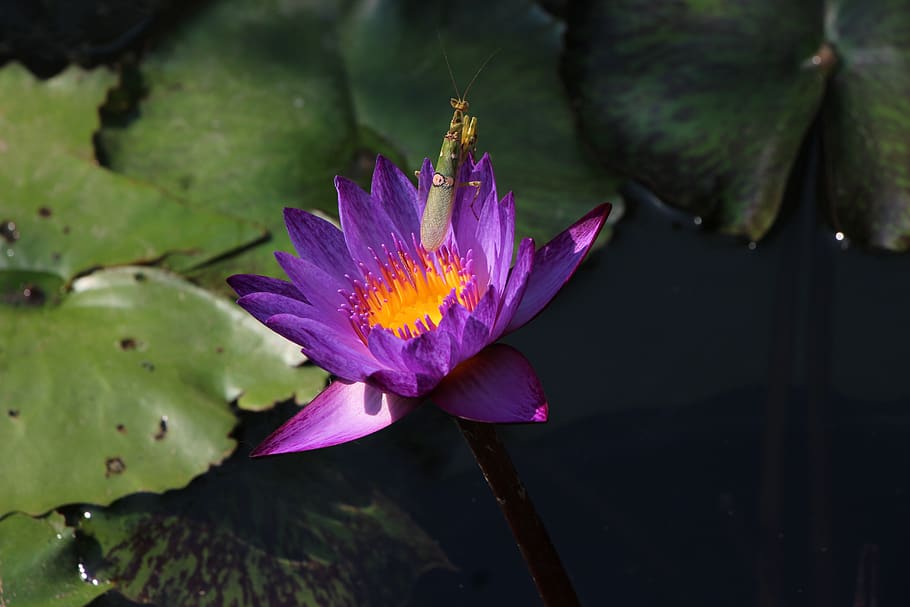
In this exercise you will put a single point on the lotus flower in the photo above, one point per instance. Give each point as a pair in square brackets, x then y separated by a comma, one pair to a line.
[398, 325]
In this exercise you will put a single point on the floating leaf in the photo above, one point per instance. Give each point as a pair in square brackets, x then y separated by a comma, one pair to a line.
[60, 213]
[708, 104]
[867, 122]
[246, 128]
[124, 387]
[280, 531]
[39, 565]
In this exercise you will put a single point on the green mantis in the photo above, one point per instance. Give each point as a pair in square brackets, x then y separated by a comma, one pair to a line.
[459, 141]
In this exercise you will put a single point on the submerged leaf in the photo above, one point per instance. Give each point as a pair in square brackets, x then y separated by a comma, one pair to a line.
[282, 531]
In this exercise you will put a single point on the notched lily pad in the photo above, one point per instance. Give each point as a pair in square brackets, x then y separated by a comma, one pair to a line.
[125, 387]
[40, 566]
[61, 213]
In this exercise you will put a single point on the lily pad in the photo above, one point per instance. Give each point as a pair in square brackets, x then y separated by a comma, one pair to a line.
[866, 122]
[39, 564]
[125, 387]
[246, 128]
[281, 531]
[61, 213]
[705, 103]
[708, 103]
[269, 120]
[401, 87]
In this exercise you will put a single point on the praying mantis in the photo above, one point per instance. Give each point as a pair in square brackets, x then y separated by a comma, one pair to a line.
[459, 141]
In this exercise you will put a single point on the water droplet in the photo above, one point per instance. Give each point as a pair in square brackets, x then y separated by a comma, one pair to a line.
[33, 295]
[753, 245]
[10, 253]
[8, 231]
[86, 515]
[697, 220]
[839, 236]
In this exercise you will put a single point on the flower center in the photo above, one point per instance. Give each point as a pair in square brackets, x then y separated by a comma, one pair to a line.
[410, 296]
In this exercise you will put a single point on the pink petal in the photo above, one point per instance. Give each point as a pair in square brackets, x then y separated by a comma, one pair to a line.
[555, 263]
[497, 385]
[342, 412]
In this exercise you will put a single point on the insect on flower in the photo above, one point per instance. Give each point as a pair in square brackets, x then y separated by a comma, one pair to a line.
[458, 143]
[398, 324]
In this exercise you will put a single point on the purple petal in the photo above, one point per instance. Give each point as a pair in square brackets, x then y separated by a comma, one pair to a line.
[476, 333]
[430, 354]
[555, 263]
[342, 412]
[515, 287]
[342, 354]
[244, 284]
[265, 305]
[367, 226]
[499, 271]
[403, 383]
[498, 386]
[319, 242]
[319, 288]
[398, 196]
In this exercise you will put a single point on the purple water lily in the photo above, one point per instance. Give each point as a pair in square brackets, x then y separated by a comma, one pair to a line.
[398, 325]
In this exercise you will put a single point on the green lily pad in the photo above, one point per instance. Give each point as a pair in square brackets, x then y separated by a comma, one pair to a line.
[39, 565]
[705, 103]
[401, 88]
[61, 213]
[269, 120]
[708, 103]
[280, 531]
[246, 128]
[125, 387]
[866, 122]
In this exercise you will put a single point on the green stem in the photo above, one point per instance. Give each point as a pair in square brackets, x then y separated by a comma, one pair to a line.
[543, 562]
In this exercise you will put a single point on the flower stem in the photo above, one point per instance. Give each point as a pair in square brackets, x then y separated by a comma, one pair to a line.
[543, 562]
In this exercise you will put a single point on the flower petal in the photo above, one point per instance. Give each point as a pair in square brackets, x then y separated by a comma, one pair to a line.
[320, 289]
[265, 305]
[398, 196]
[367, 227]
[515, 287]
[498, 385]
[319, 242]
[339, 353]
[244, 284]
[342, 412]
[555, 263]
